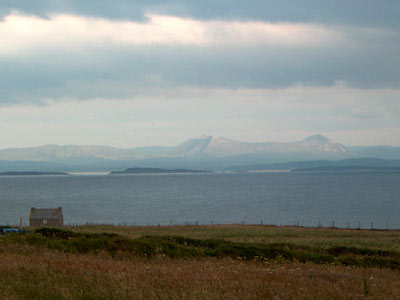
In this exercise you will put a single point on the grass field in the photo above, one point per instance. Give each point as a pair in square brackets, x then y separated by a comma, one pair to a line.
[200, 262]
[319, 237]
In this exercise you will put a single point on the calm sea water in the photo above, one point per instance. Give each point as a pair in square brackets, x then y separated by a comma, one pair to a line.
[274, 198]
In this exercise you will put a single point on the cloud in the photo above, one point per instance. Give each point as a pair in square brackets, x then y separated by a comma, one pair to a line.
[128, 72]
[384, 13]
[82, 57]
[21, 33]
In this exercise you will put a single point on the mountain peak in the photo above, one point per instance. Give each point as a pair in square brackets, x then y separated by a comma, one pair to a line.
[203, 136]
[316, 138]
[209, 137]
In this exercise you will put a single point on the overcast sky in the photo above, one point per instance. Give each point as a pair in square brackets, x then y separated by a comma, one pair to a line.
[136, 73]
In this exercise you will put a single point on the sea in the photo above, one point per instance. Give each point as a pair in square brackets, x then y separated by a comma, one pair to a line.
[352, 199]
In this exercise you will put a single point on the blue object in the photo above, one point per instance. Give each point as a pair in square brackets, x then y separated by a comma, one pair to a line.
[8, 230]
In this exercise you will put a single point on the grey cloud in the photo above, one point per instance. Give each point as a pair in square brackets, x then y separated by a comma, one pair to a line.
[370, 60]
[368, 13]
[122, 72]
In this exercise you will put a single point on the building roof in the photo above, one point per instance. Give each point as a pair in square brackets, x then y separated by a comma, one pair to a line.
[46, 213]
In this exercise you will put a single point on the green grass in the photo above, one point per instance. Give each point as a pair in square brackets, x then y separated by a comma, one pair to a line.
[316, 237]
[184, 247]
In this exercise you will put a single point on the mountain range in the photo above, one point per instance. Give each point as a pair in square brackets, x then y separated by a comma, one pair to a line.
[204, 152]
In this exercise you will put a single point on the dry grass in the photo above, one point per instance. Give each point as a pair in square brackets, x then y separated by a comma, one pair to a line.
[37, 272]
[53, 275]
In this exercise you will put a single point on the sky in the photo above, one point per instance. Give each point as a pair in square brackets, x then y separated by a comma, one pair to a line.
[128, 73]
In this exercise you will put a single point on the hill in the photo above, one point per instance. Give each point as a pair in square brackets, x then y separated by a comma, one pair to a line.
[204, 152]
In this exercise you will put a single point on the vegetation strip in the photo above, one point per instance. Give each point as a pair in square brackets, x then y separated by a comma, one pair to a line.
[183, 247]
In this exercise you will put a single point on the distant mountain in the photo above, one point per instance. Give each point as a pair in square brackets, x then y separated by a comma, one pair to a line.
[347, 168]
[204, 152]
[349, 164]
[385, 152]
[316, 146]
[313, 147]
[38, 166]
[55, 153]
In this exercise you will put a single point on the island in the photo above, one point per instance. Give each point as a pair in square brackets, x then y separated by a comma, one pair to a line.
[156, 171]
[21, 173]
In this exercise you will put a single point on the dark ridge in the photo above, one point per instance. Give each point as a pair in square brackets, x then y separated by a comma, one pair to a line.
[19, 173]
[347, 168]
[156, 171]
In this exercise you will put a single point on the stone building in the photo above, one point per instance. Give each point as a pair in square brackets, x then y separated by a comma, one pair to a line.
[46, 217]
